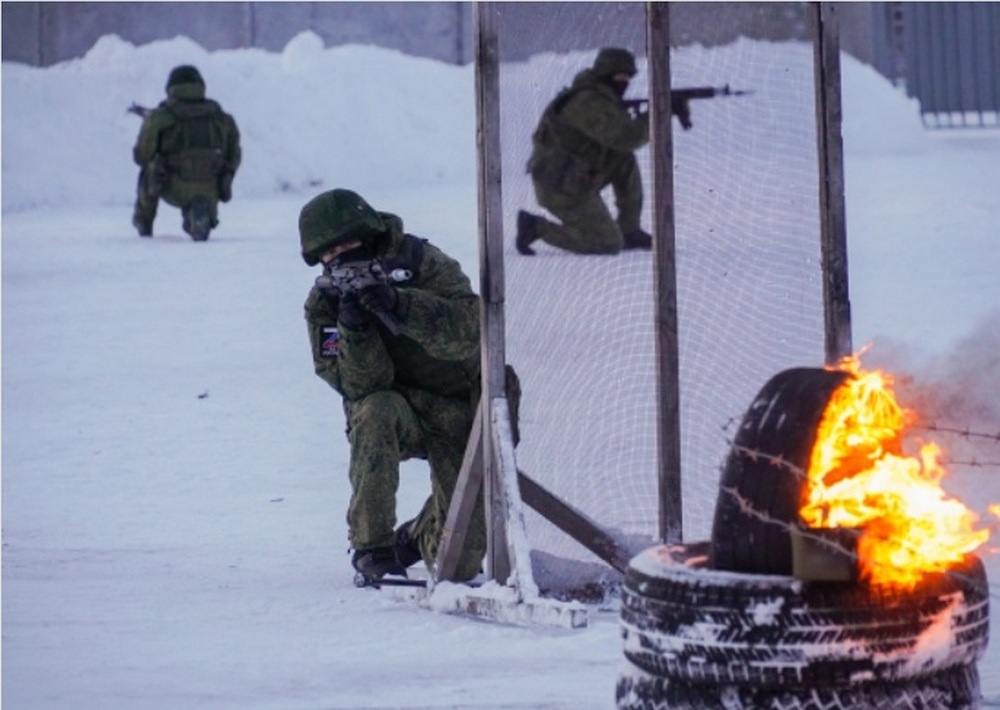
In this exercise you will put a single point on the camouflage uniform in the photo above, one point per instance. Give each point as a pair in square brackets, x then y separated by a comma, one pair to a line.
[188, 149]
[584, 142]
[413, 395]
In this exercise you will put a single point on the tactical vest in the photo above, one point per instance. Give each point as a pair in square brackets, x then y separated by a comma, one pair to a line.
[564, 158]
[415, 370]
[194, 146]
[553, 132]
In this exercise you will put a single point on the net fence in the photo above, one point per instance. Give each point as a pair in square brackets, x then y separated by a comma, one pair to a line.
[580, 329]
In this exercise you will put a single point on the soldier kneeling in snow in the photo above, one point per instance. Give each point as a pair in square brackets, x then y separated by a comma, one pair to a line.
[394, 328]
[188, 150]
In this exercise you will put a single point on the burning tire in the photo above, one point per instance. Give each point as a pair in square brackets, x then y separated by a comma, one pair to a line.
[684, 622]
[760, 491]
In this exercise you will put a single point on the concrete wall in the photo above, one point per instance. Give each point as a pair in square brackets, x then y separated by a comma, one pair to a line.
[527, 28]
[44, 33]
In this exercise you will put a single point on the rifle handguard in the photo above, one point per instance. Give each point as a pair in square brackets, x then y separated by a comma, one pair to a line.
[390, 321]
[679, 99]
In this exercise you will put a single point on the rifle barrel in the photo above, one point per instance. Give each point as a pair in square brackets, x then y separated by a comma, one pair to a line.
[698, 92]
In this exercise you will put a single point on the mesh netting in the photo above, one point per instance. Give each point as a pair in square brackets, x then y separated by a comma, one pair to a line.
[580, 329]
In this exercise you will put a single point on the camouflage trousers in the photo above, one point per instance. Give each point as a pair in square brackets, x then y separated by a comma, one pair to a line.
[178, 194]
[386, 428]
[587, 225]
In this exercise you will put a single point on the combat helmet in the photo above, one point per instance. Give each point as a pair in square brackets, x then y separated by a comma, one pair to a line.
[614, 60]
[333, 218]
[184, 74]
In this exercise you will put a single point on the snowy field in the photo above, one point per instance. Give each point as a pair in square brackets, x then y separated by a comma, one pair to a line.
[174, 474]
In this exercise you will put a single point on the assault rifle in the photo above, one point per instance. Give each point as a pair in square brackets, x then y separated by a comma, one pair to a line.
[679, 99]
[344, 277]
[140, 111]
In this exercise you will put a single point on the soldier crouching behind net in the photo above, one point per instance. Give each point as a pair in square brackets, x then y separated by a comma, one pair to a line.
[394, 328]
[586, 140]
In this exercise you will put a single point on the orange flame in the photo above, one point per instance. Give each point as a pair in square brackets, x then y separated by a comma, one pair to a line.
[858, 477]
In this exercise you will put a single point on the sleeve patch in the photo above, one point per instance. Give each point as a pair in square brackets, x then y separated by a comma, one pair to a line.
[330, 343]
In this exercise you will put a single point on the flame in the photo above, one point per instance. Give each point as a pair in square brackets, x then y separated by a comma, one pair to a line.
[860, 478]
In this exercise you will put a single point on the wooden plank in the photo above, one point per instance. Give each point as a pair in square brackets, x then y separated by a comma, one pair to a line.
[830, 150]
[671, 520]
[491, 273]
[462, 505]
[500, 604]
[491, 263]
[573, 522]
[521, 576]
[493, 602]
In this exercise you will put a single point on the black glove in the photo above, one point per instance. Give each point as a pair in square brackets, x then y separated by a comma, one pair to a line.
[352, 314]
[379, 298]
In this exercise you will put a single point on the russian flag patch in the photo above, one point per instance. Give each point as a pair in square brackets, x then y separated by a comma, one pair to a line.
[331, 342]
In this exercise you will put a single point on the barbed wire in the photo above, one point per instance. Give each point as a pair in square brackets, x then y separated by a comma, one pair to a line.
[966, 433]
[993, 590]
[745, 506]
[973, 463]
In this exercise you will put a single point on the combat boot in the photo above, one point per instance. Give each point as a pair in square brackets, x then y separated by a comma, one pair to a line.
[407, 550]
[377, 562]
[198, 219]
[527, 232]
[145, 229]
[638, 239]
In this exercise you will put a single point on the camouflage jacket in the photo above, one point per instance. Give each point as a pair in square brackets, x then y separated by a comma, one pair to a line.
[193, 136]
[583, 135]
[438, 350]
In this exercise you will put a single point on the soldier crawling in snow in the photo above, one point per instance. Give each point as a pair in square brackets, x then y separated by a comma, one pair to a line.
[188, 151]
[394, 328]
[586, 140]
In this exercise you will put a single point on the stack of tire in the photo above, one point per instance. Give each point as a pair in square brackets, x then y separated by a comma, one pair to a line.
[723, 624]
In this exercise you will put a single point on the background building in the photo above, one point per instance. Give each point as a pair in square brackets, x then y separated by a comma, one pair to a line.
[946, 54]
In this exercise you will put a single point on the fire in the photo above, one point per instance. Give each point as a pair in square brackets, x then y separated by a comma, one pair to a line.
[860, 478]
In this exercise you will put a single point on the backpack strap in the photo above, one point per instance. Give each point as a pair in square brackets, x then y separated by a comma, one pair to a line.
[410, 257]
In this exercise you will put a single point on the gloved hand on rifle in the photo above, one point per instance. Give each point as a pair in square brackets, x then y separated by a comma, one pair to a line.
[352, 314]
[357, 308]
[379, 298]
[363, 289]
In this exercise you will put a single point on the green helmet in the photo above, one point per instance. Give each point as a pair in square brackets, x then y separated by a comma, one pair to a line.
[333, 218]
[184, 74]
[614, 60]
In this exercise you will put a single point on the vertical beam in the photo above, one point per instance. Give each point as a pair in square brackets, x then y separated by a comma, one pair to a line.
[833, 223]
[491, 273]
[665, 277]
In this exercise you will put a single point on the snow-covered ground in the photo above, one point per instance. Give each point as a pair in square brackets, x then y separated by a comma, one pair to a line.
[173, 472]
